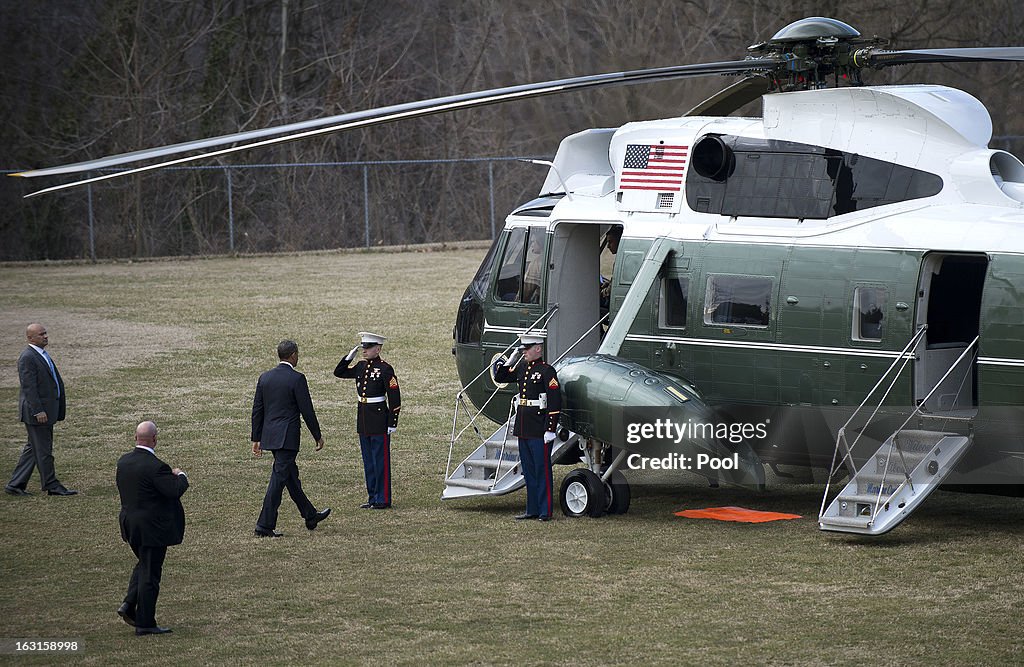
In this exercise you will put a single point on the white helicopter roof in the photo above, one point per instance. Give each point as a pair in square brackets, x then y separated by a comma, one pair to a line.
[936, 129]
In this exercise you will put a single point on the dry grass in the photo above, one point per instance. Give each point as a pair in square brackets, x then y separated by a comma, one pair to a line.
[183, 342]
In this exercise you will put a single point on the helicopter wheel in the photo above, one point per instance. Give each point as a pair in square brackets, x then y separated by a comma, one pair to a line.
[582, 494]
[617, 491]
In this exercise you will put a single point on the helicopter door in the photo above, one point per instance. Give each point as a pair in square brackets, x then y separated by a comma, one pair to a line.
[949, 302]
[575, 285]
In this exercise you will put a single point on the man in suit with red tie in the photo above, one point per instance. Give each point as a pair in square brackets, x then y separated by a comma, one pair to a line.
[41, 404]
[282, 395]
[379, 402]
[151, 519]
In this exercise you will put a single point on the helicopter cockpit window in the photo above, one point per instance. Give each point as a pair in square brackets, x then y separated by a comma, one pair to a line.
[510, 274]
[673, 302]
[483, 274]
[522, 267]
[533, 271]
[869, 313]
[738, 300]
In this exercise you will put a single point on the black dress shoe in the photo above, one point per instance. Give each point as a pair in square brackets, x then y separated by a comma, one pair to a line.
[380, 506]
[259, 532]
[366, 506]
[61, 491]
[543, 518]
[317, 518]
[522, 517]
[126, 614]
[155, 630]
[16, 491]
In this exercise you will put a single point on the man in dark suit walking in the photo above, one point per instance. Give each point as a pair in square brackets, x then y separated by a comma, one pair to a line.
[282, 395]
[151, 519]
[41, 404]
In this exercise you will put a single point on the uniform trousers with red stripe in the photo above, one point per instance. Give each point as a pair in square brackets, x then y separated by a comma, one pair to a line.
[376, 451]
[535, 457]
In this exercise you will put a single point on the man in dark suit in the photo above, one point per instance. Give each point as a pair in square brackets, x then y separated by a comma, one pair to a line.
[41, 403]
[282, 395]
[151, 519]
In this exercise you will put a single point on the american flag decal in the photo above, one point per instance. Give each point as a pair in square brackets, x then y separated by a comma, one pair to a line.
[657, 168]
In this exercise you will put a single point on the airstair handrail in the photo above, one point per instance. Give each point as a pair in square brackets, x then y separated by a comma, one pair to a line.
[894, 437]
[895, 440]
[545, 317]
[580, 339]
[903, 358]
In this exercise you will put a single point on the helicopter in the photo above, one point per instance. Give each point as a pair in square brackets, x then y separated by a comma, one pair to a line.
[839, 275]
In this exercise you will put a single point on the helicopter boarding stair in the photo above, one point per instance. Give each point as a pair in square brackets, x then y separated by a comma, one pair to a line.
[905, 469]
[493, 467]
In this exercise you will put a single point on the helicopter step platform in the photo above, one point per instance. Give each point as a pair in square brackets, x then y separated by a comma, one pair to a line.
[493, 468]
[894, 481]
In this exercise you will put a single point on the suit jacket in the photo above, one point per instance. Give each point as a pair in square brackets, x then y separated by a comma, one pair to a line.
[39, 393]
[281, 396]
[151, 511]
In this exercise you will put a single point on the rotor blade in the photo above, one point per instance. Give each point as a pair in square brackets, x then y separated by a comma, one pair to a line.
[403, 111]
[725, 101]
[870, 58]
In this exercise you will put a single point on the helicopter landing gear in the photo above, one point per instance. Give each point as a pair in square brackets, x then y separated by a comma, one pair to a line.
[584, 492]
[617, 493]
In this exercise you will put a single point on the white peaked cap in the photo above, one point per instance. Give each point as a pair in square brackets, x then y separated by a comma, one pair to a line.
[526, 340]
[367, 337]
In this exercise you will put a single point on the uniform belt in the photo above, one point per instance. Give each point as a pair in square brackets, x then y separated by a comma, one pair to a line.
[371, 399]
[538, 403]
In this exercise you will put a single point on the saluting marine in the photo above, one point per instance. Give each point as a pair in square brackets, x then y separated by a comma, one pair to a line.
[379, 402]
[538, 406]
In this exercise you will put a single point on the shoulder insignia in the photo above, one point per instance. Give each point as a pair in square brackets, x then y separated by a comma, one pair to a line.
[553, 384]
[394, 382]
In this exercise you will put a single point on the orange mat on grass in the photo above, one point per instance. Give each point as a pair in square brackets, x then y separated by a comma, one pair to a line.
[736, 514]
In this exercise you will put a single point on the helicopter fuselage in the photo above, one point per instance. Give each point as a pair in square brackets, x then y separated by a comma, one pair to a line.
[805, 249]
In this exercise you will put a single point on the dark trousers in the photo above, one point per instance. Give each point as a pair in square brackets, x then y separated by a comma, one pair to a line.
[535, 459]
[38, 452]
[285, 475]
[144, 585]
[376, 451]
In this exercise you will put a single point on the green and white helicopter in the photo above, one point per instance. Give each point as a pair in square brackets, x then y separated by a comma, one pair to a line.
[846, 268]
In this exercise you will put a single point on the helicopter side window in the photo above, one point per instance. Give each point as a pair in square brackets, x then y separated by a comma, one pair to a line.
[674, 291]
[510, 274]
[738, 300]
[869, 313]
[741, 176]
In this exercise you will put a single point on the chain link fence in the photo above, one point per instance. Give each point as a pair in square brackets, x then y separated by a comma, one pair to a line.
[227, 209]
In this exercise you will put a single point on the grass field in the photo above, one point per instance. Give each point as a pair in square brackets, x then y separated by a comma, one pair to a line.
[426, 583]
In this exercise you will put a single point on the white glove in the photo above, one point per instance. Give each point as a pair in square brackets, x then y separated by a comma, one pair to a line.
[514, 359]
[392, 429]
[549, 437]
[352, 353]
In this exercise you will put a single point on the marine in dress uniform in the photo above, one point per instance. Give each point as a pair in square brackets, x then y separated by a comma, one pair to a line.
[379, 401]
[537, 409]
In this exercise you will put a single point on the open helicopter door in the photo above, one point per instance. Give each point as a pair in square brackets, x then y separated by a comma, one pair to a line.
[949, 302]
[574, 283]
